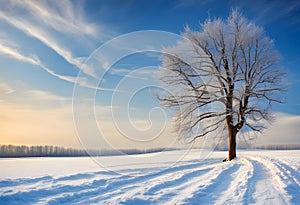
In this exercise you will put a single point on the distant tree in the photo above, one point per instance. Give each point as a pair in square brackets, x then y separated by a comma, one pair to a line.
[230, 65]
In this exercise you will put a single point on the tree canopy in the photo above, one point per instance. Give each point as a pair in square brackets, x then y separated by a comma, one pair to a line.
[224, 76]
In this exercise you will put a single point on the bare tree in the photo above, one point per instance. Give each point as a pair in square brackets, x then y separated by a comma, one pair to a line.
[224, 76]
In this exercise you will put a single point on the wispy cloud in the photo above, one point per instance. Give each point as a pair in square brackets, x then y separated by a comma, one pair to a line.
[46, 96]
[142, 74]
[4, 87]
[64, 17]
[41, 35]
[82, 81]
[52, 21]
[15, 54]
[264, 10]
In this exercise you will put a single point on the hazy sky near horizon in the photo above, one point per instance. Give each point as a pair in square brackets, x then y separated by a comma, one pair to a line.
[43, 45]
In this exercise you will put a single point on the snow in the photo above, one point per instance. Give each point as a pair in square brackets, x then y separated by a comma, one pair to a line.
[255, 177]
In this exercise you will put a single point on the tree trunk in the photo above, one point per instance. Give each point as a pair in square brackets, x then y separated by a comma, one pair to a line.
[231, 142]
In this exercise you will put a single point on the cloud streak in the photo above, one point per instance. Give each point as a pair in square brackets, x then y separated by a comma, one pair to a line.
[51, 22]
[6, 88]
[15, 54]
[264, 10]
[64, 17]
[42, 36]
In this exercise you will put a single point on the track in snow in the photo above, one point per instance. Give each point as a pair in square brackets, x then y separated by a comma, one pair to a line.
[250, 179]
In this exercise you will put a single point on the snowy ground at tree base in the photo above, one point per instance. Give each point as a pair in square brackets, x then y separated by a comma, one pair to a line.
[255, 177]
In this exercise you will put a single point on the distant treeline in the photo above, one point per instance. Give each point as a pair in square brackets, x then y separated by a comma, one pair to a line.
[278, 147]
[57, 151]
[242, 145]
[39, 151]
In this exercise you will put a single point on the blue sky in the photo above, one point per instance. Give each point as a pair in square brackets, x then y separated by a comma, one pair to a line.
[44, 43]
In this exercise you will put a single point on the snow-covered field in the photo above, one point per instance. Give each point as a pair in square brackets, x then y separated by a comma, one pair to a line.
[255, 177]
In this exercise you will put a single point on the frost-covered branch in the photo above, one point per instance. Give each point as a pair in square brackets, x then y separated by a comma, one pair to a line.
[227, 71]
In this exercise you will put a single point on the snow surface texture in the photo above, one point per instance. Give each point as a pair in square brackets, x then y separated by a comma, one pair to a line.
[256, 177]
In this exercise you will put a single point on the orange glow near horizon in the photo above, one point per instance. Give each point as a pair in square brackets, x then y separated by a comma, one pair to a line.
[30, 126]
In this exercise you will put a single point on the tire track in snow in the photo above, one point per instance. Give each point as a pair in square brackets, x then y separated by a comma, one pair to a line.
[13, 186]
[265, 185]
[51, 188]
[48, 184]
[37, 195]
[16, 182]
[209, 189]
[291, 178]
[19, 185]
[111, 186]
[176, 191]
[132, 193]
[42, 190]
[142, 184]
[148, 189]
[236, 191]
[288, 172]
